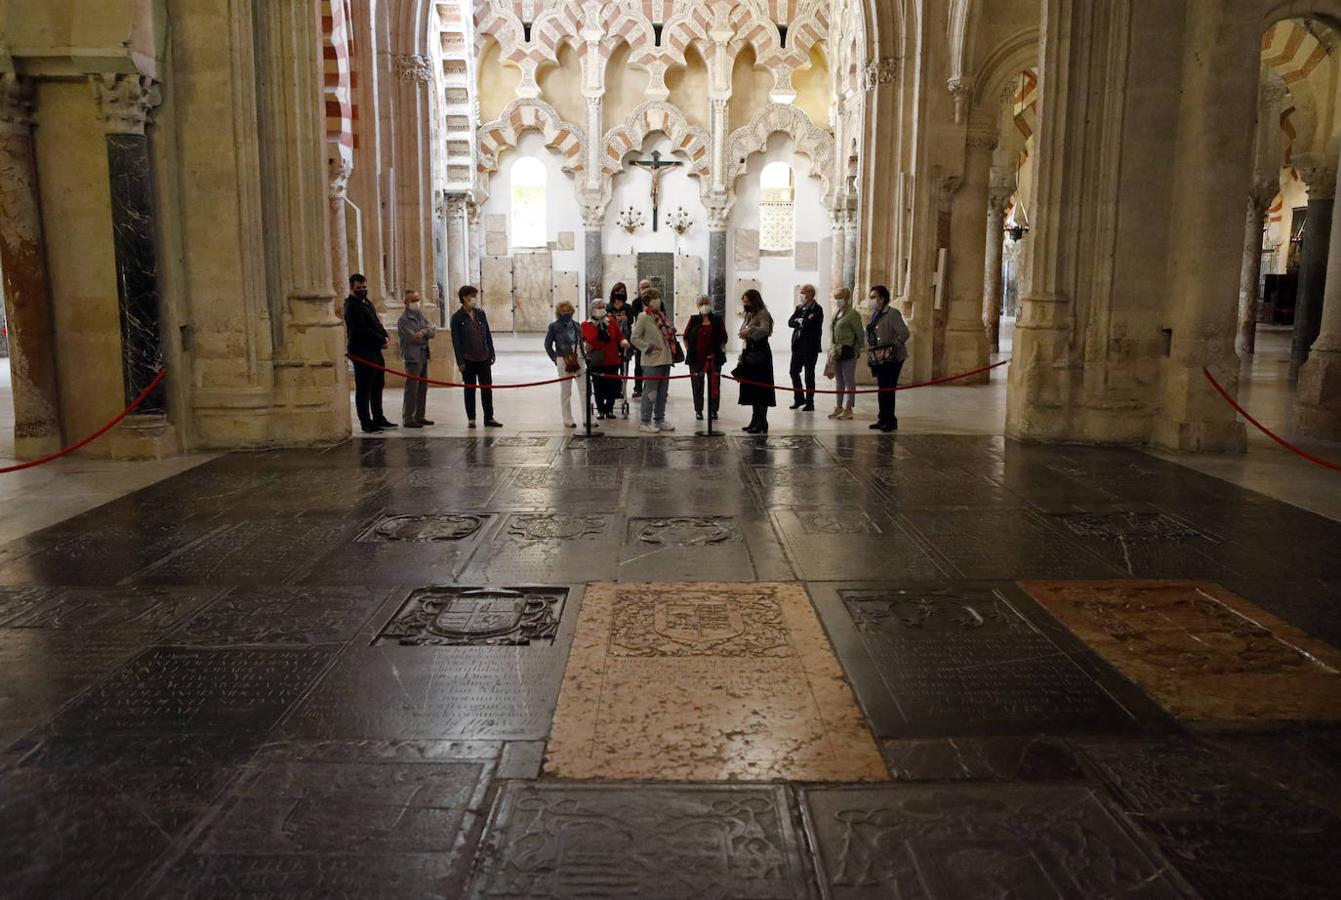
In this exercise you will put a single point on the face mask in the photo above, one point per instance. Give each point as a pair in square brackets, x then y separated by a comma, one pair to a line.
[704, 310]
[467, 303]
[654, 304]
[598, 314]
[360, 292]
[566, 317]
[839, 302]
[412, 307]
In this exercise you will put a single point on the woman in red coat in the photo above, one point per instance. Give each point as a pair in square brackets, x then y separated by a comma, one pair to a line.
[605, 343]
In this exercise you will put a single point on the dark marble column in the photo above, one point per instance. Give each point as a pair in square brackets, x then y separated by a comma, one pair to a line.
[717, 269]
[27, 294]
[126, 102]
[1321, 182]
[595, 278]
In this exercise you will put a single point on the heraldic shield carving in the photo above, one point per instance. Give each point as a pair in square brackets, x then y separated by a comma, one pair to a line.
[476, 616]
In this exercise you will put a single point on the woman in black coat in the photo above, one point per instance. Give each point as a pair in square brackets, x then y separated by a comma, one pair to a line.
[756, 362]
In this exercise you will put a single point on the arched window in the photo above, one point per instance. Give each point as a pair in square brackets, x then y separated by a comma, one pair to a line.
[776, 215]
[528, 203]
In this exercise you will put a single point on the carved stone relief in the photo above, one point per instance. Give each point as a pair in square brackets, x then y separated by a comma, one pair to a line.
[461, 616]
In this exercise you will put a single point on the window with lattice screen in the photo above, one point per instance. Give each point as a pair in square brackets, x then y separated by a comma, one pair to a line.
[528, 217]
[777, 217]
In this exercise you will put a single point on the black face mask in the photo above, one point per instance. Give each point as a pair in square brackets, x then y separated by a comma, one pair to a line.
[361, 293]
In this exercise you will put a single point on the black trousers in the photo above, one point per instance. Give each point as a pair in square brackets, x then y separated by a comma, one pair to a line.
[637, 372]
[478, 373]
[760, 417]
[887, 377]
[368, 384]
[698, 378]
[605, 390]
[803, 362]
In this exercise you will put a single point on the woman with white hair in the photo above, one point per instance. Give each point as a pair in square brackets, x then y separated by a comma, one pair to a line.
[605, 344]
[705, 351]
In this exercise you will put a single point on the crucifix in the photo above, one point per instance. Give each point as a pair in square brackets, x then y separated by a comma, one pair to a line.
[657, 167]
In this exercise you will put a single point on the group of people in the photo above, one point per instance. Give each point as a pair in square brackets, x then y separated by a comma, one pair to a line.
[640, 336]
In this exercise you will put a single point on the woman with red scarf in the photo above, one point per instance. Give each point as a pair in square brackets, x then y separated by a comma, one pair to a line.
[605, 344]
[654, 336]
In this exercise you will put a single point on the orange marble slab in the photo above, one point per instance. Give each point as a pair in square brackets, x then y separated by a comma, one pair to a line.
[1201, 652]
[706, 682]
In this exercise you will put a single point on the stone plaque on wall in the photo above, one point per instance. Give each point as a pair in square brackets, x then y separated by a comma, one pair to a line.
[496, 243]
[496, 222]
[688, 285]
[533, 287]
[733, 301]
[807, 256]
[566, 290]
[747, 249]
[496, 290]
[621, 267]
[566, 241]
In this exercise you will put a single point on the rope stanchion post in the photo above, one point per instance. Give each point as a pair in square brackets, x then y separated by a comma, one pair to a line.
[709, 376]
[587, 397]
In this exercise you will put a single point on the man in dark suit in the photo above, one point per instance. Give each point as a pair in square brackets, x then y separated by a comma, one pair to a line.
[473, 344]
[366, 338]
[807, 322]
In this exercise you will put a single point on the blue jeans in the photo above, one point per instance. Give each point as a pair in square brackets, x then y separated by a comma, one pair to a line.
[654, 395]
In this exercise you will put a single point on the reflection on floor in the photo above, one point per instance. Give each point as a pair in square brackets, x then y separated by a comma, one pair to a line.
[529, 665]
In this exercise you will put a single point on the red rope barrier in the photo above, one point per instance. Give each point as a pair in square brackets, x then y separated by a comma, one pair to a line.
[95, 435]
[453, 384]
[902, 387]
[1262, 428]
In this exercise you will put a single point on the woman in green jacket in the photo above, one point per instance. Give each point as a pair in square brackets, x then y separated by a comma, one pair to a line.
[845, 339]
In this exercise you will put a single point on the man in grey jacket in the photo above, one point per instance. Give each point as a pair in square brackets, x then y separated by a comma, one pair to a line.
[415, 333]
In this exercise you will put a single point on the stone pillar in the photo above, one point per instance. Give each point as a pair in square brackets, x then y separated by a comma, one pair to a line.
[965, 341]
[27, 294]
[457, 252]
[850, 246]
[717, 258]
[1214, 147]
[1317, 401]
[1001, 189]
[595, 264]
[1264, 189]
[340, 170]
[414, 176]
[838, 230]
[1319, 175]
[125, 103]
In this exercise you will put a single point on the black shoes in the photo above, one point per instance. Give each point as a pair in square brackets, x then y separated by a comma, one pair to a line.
[890, 426]
[876, 426]
[413, 425]
[425, 422]
[490, 423]
[798, 404]
[371, 429]
[385, 424]
[809, 407]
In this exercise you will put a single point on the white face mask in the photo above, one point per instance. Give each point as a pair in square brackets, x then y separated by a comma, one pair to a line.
[468, 303]
[598, 314]
[654, 304]
[412, 307]
[839, 302]
[704, 310]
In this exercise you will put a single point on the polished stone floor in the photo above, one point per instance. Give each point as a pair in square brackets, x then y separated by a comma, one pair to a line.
[534, 665]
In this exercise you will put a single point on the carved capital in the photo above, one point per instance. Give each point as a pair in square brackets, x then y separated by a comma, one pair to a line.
[409, 67]
[339, 169]
[1318, 175]
[16, 103]
[125, 102]
[718, 213]
[883, 71]
[456, 204]
[1263, 189]
[1000, 188]
[961, 90]
[982, 139]
[946, 188]
[593, 215]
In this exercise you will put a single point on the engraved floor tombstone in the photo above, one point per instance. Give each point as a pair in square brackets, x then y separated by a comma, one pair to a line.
[547, 547]
[969, 659]
[706, 682]
[396, 549]
[964, 842]
[641, 840]
[835, 543]
[697, 548]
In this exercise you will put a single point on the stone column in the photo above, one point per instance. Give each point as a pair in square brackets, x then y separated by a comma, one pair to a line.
[717, 258]
[1317, 401]
[966, 344]
[457, 252]
[125, 103]
[414, 176]
[27, 294]
[1214, 147]
[1319, 175]
[339, 169]
[1266, 186]
[1000, 190]
[850, 237]
[593, 219]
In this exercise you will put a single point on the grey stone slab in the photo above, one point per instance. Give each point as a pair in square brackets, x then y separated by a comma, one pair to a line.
[548, 547]
[253, 552]
[502, 617]
[402, 549]
[1144, 544]
[317, 492]
[454, 489]
[966, 659]
[521, 759]
[1002, 544]
[840, 543]
[678, 492]
[592, 489]
[963, 842]
[180, 689]
[920, 483]
[15, 601]
[337, 824]
[1229, 833]
[807, 485]
[640, 840]
[686, 548]
[280, 616]
[101, 554]
[390, 692]
[124, 611]
[1013, 758]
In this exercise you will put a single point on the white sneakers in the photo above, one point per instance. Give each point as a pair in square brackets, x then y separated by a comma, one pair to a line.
[648, 428]
[665, 426]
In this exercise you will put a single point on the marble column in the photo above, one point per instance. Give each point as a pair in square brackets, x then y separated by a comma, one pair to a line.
[1319, 175]
[1001, 189]
[413, 110]
[717, 260]
[1220, 59]
[966, 345]
[595, 264]
[1317, 401]
[850, 246]
[340, 170]
[125, 103]
[1264, 189]
[27, 293]
[838, 230]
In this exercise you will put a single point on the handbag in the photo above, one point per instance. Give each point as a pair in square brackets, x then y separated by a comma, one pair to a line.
[677, 352]
[829, 368]
[571, 363]
[753, 356]
[881, 356]
[846, 352]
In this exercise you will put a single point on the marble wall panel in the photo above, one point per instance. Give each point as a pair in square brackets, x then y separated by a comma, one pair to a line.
[566, 290]
[496, 243]
[806, 256]
[621, 267]
[496, 222]
[688, 285]
[533, 282]
[496, 291]
[747, 249]
[566, 240]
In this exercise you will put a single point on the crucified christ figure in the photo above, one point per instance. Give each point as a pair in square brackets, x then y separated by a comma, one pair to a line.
[657, 167]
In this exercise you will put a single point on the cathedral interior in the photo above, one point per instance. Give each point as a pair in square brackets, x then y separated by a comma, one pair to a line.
[1072, 628]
